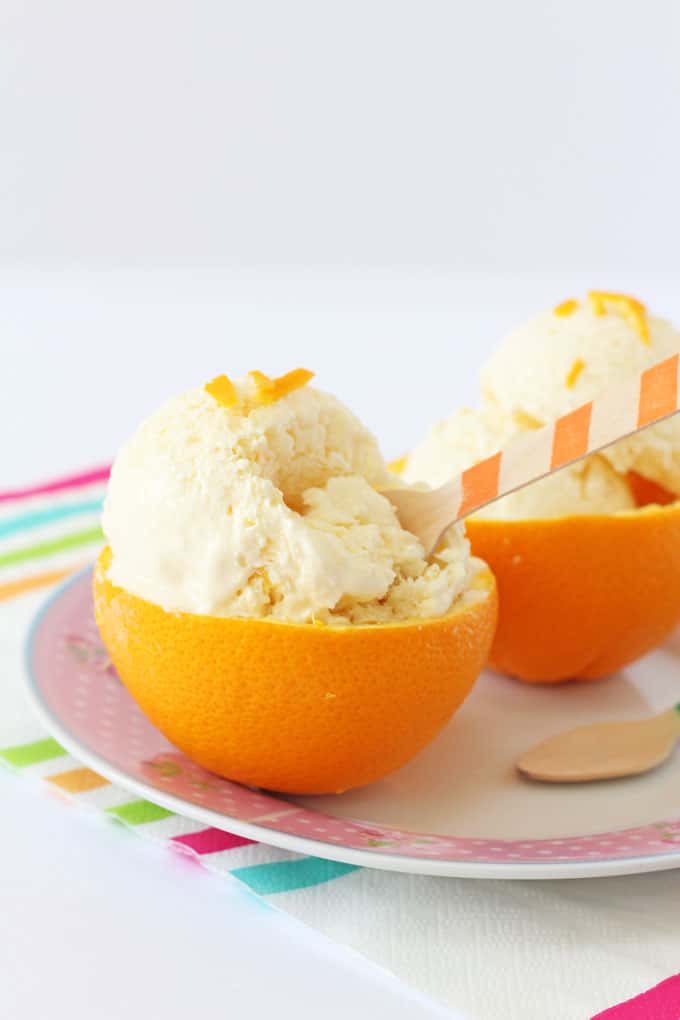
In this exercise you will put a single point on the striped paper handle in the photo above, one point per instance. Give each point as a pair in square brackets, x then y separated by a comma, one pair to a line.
[620, 411]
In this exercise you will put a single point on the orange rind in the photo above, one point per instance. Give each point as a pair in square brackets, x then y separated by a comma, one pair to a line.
[296, 708]
[583, 596]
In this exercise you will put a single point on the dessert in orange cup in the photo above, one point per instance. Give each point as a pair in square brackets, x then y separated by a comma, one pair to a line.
[587, 560]
[263, 605]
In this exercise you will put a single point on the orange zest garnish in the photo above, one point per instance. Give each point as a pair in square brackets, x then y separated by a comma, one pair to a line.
[567, 307]
[632, 310]
[267, 390]
[223, 390]
[264, 383]
[271, 390]
[574, 373]
[527, 421]
[397, 465]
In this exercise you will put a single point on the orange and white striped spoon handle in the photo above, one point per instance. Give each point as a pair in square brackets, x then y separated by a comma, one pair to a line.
[618, 412]
[621, 410]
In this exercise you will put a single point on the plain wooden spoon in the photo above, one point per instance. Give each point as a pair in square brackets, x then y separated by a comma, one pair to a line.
[619, 411]
[604, 750]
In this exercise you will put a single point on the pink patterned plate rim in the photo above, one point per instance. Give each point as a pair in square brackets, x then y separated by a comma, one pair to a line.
[79, 698]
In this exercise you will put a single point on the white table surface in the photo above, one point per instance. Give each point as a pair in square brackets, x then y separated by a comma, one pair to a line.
[97, 923]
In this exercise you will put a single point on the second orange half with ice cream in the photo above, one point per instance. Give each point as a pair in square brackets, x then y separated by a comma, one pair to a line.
[588, 581]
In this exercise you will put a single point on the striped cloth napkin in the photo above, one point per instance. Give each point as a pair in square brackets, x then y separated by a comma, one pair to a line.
[441, 935]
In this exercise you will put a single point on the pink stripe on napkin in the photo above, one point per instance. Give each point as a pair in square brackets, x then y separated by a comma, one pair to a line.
[99, 474]
[211, 841]
[660, 1003]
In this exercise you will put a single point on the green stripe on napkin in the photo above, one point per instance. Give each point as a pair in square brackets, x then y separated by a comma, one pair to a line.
[55, 545]
[137, 812]
[33, 753]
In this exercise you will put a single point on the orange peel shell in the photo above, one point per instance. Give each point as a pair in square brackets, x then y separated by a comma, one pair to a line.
[581, 596]
[295, 708]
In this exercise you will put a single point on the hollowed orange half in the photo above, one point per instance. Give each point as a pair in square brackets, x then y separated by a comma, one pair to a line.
[295, 708]
[581, 596]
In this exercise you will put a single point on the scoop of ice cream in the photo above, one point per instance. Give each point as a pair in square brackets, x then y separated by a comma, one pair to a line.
[590, 487]
[587, 487]
[458, 442]
[269, 510]
[556, 362]
[653, 453]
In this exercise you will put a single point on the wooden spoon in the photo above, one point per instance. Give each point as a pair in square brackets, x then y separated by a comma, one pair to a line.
[604, 750]
[619, 411]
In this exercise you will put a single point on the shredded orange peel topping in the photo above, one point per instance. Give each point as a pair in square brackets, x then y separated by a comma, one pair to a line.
[222, 389]
[271, 390]
[267, 390]
[632, 310]
[602, 301]
[574, 373]
[567, 307]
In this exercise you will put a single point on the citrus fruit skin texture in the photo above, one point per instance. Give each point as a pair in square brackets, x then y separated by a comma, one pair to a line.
[583, 596]
[295, 708]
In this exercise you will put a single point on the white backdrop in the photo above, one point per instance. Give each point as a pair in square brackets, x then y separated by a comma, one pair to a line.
[480, 135]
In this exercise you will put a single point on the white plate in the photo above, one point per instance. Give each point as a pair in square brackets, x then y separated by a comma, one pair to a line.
[458, 809]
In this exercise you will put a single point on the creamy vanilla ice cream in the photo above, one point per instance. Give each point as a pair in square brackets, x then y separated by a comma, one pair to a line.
[243, 508]
[458, 442]
[556, 362]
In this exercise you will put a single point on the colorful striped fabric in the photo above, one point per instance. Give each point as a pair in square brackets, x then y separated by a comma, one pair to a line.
[660, 1003]
[95, 476]
[47, 531]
